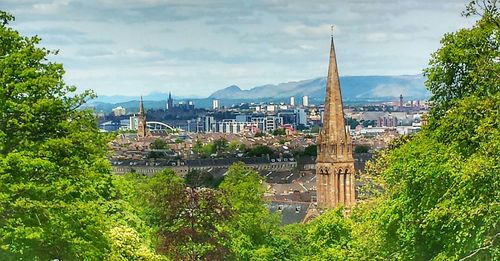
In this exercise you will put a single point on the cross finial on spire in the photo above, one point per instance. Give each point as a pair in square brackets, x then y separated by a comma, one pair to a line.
[332, 30]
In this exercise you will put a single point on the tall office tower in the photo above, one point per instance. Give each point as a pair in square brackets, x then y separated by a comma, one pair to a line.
[215, 104]
[305, 101]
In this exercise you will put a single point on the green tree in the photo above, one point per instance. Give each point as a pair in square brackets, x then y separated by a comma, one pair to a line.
[242, 147]
[467, 63]
[55, 183]
[209, 149]
[437, 204]
[311, 150]
[288, 244]
[440, 189]
[198, 147]
[131, 196]
[325, 238]
[367, 123]
[154, 154]
[361, 149]
[279, 132]
[233, 145]
[188, 220]
[353, 123]
[260, 134]
[252, 224]
[197, 179]
[328, 236]
[127, 245]
[220, 145]
[159, 144]
[260, 150]
[315, 129]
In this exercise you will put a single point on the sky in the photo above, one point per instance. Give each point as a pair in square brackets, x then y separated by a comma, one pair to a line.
[193, 48]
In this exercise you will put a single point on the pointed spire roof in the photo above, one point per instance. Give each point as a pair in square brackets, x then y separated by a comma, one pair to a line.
[334, 122]
[141, 107]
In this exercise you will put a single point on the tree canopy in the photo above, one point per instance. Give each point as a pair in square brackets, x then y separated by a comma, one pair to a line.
[433, 196]
[55, 181]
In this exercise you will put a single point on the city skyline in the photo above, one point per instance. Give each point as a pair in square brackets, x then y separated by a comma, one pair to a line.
[193, 49]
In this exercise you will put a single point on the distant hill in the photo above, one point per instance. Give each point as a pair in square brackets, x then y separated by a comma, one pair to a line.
[354, 89]
[154, 96]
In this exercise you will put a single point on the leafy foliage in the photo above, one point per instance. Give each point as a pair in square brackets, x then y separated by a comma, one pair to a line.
[199, 223]
[127, 245]
[432, 196]
[466, 64]
[204, 179]
[260, 134]
[439, 191]
[279, 132]
[220, 145]
[260, 150]
[311, 150]
[55, 187]
[186, 221]
[361, 149]
[159, 144]
[252, 223]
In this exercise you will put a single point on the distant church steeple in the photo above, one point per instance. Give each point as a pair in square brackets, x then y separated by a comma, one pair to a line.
[335, 181]
[141, 121]
[170, 102]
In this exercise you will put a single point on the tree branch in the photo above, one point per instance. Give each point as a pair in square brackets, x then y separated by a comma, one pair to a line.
[481, 248]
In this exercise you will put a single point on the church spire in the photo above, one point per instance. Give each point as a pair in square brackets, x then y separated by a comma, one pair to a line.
[333, 121]
[141, 120]
[335, 182]
[141, 107]
[170, 102]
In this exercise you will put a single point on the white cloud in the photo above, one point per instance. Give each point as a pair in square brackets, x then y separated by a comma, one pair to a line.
[377, 37]
[308, 31]
[51, 7]
[197, 47]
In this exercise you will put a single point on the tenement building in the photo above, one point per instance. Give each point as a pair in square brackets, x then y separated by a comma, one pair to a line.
[335, 181]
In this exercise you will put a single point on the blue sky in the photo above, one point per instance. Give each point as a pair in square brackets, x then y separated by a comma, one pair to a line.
[192, 48]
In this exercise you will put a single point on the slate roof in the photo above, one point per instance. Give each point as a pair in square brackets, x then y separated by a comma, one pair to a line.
[225, 161]
[291, 212]
[279, 177]
[306, 160]
[170, 163]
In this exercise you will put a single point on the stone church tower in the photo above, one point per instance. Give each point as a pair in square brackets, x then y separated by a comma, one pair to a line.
[170, 102]
[335, 181]
[141, 121]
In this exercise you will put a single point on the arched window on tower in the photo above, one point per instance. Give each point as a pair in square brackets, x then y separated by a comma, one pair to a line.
[338, 182]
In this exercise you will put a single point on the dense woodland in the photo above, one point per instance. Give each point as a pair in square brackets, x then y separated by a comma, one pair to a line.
[436, 195]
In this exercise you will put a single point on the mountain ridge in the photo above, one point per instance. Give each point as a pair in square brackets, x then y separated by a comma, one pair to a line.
[354, 89]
